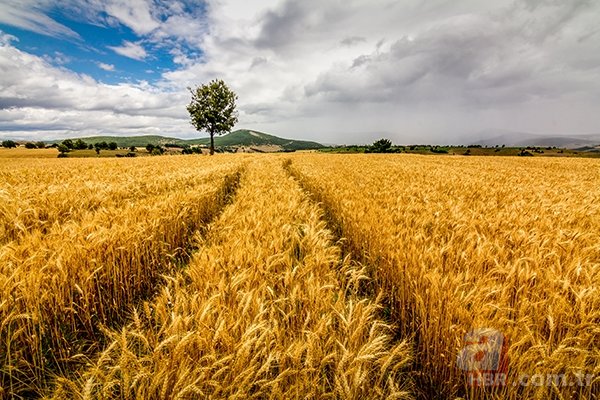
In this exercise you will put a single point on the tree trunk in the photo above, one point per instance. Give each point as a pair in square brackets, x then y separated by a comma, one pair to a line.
[212, 144]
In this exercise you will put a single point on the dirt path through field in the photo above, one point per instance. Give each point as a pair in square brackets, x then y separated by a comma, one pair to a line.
[267, 308]
[62, 287]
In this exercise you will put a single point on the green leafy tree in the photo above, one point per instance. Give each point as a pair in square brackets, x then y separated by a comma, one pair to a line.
[90, 146]
[79, 145]
[68, 143]
[63, 150]
[132, 149]
[157, 151]
[9, 144]
[30, 145]
[113, 145]
[381, 146]
[212, 109]
[40, 145]
[149, 147]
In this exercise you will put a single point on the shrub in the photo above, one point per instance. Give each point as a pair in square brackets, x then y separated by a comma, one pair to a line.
[381, 146]
[9, 144]
[525, 153]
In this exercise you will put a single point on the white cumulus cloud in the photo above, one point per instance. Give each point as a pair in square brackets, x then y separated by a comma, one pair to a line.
[106, 67]
[37, 98]
[130, 49]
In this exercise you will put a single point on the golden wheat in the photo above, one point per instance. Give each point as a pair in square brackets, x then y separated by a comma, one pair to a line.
[266, 309]
[465, 243]
[158, 278]
[67, 271]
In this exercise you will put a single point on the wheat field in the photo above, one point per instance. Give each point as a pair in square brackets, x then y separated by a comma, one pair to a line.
[297, 276]
[463, 243]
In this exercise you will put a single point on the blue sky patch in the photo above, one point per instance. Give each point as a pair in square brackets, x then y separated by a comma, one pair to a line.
[91, 52]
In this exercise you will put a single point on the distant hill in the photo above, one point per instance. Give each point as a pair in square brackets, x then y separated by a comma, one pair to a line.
[240, 138]
[128, 141]
[521, 139]
[249, 138]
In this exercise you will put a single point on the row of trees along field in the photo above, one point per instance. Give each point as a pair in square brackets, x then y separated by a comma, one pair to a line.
[67, 145]
[10, 144]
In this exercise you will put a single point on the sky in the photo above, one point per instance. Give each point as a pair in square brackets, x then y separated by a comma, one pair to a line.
[351, 71]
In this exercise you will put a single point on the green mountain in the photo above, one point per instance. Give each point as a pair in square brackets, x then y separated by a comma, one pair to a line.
[239, 138]
[248, 138]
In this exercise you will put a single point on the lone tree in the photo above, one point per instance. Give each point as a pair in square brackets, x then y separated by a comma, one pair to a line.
[381, 146]
[63, 150]
[212, 109]
[68, 143]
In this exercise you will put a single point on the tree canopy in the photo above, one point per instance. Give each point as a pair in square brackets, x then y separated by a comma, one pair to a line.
[9, 144]
[381, 146]
[212, 109]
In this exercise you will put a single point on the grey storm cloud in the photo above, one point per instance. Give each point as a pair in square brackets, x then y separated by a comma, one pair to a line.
[295, 24]
[475, 59]
[352, 40]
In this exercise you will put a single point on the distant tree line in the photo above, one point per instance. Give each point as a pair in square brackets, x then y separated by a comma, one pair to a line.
[185, 149]
[35, 145]
[68, 144]
[386, 146]
[11, 144]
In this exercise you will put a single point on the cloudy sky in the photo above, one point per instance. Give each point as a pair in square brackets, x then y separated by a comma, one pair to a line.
[336, 71]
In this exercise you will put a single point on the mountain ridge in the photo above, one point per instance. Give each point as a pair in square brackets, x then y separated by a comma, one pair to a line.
[522, 139]
[238, 138]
